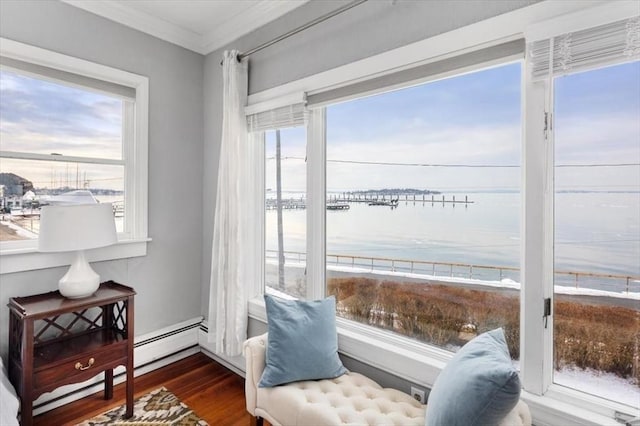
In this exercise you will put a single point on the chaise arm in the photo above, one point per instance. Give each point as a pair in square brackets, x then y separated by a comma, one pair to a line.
[254, 351]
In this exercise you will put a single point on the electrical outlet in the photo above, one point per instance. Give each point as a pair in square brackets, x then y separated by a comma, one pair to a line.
[418, 394]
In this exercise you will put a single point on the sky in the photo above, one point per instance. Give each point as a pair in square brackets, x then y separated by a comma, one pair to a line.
[475, 120]
[43, 117]
[471, 120]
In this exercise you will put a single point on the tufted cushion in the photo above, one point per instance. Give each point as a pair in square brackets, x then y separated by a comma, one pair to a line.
[349, 399]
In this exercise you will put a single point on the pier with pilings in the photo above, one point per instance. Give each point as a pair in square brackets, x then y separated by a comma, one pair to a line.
[369, 198]
[342, 201]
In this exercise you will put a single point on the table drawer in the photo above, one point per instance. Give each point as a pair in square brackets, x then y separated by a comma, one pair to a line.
[86, 364]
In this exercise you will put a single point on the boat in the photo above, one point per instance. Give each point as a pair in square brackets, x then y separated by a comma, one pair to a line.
[338, 206]
[391, 203]
[80, 196]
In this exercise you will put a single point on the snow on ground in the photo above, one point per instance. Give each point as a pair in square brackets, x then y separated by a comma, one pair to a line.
[505, 283]
[594, 382]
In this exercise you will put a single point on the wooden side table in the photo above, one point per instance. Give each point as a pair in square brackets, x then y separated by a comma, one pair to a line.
[54, 341]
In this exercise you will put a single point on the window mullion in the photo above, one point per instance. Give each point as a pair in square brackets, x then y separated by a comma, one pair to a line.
[61, 158]
[537, 242]
[137, 155]
[316, 204]
[256, 286]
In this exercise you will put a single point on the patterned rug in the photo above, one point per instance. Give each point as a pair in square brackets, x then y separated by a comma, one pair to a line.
[159, 407]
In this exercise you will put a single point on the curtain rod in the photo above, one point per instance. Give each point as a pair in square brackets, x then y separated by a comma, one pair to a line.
[299, 29]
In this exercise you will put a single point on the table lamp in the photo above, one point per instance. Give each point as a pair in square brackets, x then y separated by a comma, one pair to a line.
[77, 228]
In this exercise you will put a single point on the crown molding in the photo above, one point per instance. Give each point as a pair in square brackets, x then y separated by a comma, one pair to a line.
[256, 16]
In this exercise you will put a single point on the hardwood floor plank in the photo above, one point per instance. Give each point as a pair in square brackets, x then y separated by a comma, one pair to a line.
[215, 393]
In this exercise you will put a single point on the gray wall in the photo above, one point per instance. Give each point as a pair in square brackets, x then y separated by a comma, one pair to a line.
[368, 29]
[168, 279]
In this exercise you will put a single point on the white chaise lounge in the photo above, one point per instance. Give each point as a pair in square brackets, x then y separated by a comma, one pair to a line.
[351, 399]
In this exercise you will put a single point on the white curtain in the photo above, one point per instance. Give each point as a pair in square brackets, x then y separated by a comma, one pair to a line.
[234, 220]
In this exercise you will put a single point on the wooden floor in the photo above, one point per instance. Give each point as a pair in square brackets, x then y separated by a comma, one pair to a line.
[215, 393]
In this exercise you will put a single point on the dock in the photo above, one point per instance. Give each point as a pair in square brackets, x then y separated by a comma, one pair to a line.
[343, 201]
[386, 199]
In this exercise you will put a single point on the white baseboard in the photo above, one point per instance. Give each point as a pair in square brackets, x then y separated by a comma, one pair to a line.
[235, 364]
[151, 351]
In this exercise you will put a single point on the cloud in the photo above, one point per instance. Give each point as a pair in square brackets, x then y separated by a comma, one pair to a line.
[446, 145]
[43, 117]
[598, 138]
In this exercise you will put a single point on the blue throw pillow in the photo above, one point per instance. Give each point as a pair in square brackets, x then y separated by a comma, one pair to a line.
[479, 386]
[302, 342]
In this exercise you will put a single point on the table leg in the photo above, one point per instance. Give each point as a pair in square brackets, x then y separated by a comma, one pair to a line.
[130, 329]
[26, 396]
[108, 383]
[26, 411]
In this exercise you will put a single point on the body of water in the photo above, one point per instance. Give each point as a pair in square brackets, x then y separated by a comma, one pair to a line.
[594, 232]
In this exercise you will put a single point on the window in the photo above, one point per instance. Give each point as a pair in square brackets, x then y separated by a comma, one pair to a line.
[280, 135]
[423, 207]
[587, 82]
[597, 231]
[548, 151]
[285, 211]
[61, 145]
[70, 131]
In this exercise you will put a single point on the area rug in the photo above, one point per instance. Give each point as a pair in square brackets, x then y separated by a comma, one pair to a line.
[156, 408]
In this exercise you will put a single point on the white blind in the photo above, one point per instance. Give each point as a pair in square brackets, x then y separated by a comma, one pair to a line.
[277, 118]
[608, 44]
[419, 73]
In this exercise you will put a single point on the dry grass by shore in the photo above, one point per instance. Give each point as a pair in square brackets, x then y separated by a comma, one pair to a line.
[8, 234]
[603, 338]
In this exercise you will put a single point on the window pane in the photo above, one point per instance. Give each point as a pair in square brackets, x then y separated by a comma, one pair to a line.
[42, 117]
[423, 208]
[285, 215]
[26, 185]
[597, 232]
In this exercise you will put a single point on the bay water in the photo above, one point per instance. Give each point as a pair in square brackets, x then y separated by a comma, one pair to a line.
[595, 232]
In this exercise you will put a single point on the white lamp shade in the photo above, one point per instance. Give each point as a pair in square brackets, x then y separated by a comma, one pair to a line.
[76, 227]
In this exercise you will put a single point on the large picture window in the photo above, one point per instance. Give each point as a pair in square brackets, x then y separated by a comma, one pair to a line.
[498, 193]
[423, 207]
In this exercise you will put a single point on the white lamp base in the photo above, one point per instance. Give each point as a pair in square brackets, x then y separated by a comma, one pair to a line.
[80, 280]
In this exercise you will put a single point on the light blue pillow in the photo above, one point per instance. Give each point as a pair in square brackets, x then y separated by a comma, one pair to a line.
[479, 386]
[302, 342]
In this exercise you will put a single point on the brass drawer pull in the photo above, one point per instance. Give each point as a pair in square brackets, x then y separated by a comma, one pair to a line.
[85, 367]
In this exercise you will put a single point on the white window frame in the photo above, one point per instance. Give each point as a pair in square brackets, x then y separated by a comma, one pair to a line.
[17, 256]
[421, 363]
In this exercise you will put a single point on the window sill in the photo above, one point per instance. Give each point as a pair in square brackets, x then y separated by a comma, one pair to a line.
[28, 258]
[563, 407]
[419, 363]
